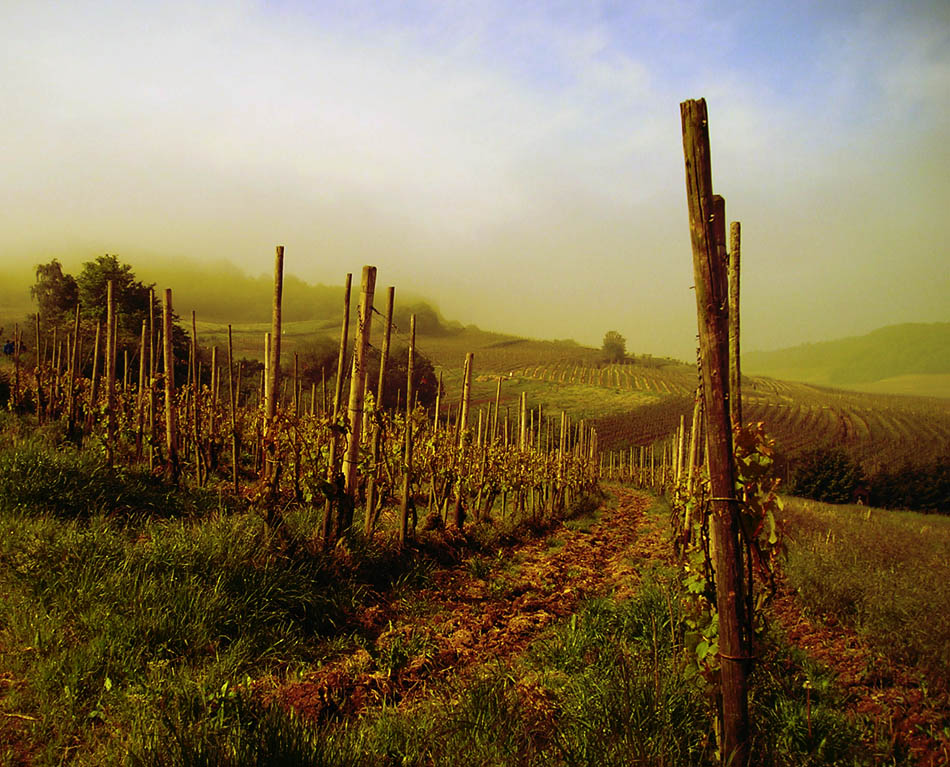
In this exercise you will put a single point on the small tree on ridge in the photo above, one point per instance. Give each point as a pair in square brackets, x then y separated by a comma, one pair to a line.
[614, 347]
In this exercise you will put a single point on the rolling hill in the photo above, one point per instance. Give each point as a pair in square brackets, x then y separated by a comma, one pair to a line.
[912, 358]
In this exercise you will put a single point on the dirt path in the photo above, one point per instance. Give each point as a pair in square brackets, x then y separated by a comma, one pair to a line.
[474, 615]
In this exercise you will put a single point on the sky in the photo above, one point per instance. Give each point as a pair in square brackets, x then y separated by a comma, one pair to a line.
[519, 163]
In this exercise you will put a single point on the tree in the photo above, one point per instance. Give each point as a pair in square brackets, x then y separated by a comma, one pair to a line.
[425, 383]
[55, 292]
[428, 322]
[614, 347]
[826, 474]
[131, 295]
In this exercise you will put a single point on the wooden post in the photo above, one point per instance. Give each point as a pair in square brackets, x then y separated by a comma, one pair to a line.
[196, 401]
[357, 383]
[522, 420]
[735, 373]
[680, 438]
[140, 396]
[341, 358]
[327, 526]
[73, 375]
[384, 355]
[40, 359]
[405, 500]
[494, 428]
[110, 372]
[705, 217]
[265, 374]
[370, 514]
[171, 426]
[693, 452]
[271, 471]
[152, 364]
[232, 400]
[458, 517]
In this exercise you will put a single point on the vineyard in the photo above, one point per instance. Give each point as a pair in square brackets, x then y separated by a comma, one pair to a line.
[267, 441]
[359, 544]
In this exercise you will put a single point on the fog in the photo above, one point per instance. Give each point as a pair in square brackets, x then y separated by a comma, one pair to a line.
[519, 166]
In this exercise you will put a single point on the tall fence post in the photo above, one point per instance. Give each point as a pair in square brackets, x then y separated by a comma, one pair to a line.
[171, 421]
[110, 371]
[270, 473]
[458, 516]
[709, 274]
[371, 500]
[404, 498]
[327, 526]
[357, 388]
[735, 368]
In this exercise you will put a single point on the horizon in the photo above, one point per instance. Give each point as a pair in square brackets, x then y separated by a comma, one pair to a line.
[518, 167]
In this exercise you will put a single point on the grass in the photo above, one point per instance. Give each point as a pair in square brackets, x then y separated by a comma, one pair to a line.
[887, 574]
[607, 686]
[143, 627]
[105, 623]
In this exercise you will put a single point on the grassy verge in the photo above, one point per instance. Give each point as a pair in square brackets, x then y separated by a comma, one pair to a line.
[608, 686]
[886, 574]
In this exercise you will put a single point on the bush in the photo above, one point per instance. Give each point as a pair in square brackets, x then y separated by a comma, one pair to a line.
[826, 474]
[919, 488]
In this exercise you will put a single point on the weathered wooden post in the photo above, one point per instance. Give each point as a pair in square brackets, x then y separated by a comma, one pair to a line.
[110, 372]
[357, 388]
[494, 426]
[232, 401]
[196, 401]
[404, 499]
[271, 468]
[370, 518]
[140, 396]
[709, 274]
[327, 526]
[735, 368]
[152, 365]
[458, 518]
[171, 421]
[73, 375]
[40, 360]
[522, 421]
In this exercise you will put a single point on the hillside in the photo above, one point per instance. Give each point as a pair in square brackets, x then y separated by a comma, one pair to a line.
[912, 358]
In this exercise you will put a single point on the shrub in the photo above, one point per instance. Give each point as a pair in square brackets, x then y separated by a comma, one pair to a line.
[919, 488]
[826, 474]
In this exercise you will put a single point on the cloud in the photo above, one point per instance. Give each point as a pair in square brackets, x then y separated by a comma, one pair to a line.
[506, 158]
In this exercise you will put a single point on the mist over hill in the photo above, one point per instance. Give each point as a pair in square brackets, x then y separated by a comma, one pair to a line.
[893, 352]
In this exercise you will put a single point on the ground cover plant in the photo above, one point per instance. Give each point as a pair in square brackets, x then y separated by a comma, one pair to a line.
[129, 637]
[887, 574]
[871, 599]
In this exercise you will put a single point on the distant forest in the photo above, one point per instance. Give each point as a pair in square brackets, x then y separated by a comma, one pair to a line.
[220, 292]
